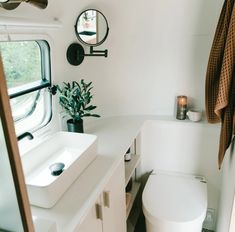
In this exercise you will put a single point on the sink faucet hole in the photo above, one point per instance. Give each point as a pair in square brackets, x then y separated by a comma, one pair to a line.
[56, 169]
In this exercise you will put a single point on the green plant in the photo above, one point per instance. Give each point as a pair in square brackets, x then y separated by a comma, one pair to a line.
[75, 99]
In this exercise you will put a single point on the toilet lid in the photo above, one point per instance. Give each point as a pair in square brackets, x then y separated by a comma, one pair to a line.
[175, 198]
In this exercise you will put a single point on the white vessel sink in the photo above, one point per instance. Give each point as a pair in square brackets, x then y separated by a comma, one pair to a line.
[76, 151]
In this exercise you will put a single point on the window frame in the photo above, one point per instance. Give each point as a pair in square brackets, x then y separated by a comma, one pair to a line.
[46, 69]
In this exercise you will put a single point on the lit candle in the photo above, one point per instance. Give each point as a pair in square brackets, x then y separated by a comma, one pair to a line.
[181, 107]
[183, 100]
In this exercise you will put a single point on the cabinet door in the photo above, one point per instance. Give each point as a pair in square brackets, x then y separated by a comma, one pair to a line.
[114, 206]
[93, 220]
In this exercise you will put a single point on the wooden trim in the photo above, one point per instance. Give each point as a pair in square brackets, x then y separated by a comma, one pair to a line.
[13, 153]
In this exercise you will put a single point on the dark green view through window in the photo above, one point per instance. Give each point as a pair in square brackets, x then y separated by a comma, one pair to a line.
[22, 62]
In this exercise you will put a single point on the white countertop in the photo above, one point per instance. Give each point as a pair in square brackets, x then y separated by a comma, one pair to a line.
[115, 135]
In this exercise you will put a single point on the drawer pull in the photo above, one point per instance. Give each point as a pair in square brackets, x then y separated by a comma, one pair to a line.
[106, 197]
[99, 212]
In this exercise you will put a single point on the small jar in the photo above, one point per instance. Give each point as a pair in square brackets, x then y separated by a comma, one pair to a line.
[127, 156]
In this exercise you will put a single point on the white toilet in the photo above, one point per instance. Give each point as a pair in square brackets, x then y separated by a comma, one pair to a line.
[174, 202]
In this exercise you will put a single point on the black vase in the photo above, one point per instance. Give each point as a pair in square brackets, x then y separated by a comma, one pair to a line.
[76, 126]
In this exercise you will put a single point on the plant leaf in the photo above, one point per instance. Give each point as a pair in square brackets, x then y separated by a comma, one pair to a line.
[75, 98]
[91, 107]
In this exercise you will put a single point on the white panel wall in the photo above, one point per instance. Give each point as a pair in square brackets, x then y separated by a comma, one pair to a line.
[157, 50]
[183, 146]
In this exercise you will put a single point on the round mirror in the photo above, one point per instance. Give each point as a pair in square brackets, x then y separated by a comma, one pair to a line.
[91, 27]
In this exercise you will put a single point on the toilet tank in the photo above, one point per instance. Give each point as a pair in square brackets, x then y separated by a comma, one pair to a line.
[180, 146]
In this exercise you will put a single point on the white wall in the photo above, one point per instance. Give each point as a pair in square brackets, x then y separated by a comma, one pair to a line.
[157, 50]
[227, 191]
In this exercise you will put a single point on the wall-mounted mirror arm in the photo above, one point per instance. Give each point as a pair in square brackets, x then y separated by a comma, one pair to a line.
[97, 52]
[75, 53]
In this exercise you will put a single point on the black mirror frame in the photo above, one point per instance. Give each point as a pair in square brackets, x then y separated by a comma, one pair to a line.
[75, 52]
[82, 41]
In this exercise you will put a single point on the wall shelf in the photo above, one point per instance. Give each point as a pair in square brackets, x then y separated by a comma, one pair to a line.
[130, 167]
[132, 219]
[133, 192]
[133, 209]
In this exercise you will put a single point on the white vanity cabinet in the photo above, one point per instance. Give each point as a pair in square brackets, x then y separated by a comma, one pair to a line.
[92, 222]
[109, 212]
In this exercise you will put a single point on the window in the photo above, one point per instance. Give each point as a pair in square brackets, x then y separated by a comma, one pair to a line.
[27, 69]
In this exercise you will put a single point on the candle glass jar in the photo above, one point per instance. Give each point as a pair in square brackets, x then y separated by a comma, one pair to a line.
[181, 107]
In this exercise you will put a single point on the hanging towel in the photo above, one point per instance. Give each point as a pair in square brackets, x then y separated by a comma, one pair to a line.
[220, 78]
